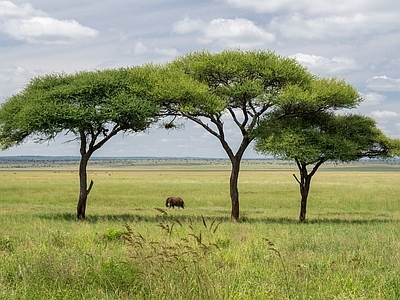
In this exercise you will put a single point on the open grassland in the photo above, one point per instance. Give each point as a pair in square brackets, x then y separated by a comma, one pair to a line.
[129, 249]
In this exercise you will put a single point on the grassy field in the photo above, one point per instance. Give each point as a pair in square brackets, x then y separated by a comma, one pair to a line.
[132, 247]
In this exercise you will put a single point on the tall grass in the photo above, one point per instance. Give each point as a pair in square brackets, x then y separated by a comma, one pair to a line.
[132, 247]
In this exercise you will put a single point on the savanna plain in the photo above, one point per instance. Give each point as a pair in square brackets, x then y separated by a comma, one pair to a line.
[130, 246]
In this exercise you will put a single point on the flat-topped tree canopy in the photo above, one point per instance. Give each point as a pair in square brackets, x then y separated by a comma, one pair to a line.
[247, 80]
[323, 137]
[319, 95]
[97, 103]
[308, 127]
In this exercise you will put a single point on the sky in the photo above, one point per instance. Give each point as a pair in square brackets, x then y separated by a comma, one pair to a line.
[357, 40]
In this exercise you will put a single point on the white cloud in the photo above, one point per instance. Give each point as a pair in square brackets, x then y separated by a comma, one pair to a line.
[228, 33]
[262, 6]
[166, 51]
[47, 30]
[24, 23]
[236, 32]
[342, 27]
[383, 84]
[314, 7]
[140, 48]
[237, 28]
[187, 26]
[320, 64]
[373, 99]
[10, 10]
[324, 20]
[7, 73]
[384, 114]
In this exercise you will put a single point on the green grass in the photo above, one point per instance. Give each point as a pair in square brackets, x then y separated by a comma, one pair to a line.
[129, 249]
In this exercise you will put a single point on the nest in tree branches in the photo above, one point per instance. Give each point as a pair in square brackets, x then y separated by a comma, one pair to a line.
[169, 126]
[172, 125]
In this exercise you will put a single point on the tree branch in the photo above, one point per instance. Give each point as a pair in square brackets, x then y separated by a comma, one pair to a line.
[220, 135]
[90, 187]
[93, 137]
[113, 132]
[253, 110]
[295, 177]
[83, 141]
[257, 116]
[242, 126]
[202, 124]
[246, 116]
[317, 165]
[234, 117]
[298, 163]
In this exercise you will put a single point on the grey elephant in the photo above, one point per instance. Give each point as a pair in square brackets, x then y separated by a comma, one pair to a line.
[174, 201]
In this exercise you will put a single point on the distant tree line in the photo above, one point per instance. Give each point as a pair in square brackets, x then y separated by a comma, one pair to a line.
[270, 99]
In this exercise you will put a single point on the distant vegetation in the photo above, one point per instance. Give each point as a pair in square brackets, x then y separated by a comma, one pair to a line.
[27, 162]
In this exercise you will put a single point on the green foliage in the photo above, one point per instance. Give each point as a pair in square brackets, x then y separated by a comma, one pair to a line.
[169, 87]
[243, 79]
[306, 127]
[321, 137]
[87, 102]
[319, 95]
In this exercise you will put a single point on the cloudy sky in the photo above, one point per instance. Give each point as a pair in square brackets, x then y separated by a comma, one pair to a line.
[358, 40]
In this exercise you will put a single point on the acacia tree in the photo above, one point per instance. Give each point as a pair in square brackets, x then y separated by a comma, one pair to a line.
[92, 106]
[247, 86]
[312, 139]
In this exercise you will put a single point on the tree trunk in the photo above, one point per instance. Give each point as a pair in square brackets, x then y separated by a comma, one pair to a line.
[234, 189]
[234, 158]
[304, 189]
[305, 182]
[86, 150]
[83, 190]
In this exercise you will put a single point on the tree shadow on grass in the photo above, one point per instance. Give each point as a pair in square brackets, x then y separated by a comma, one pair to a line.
[324, 221]
[131, 218]
[159, 216]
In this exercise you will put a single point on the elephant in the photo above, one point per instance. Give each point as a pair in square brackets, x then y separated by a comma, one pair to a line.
[174, 201]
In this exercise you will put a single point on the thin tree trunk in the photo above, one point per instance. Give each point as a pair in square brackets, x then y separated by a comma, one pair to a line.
[304, 190]
[233, 182]
[234, 193]
[86, 150]
[305, 182]
[234, 158]
[83, 190]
